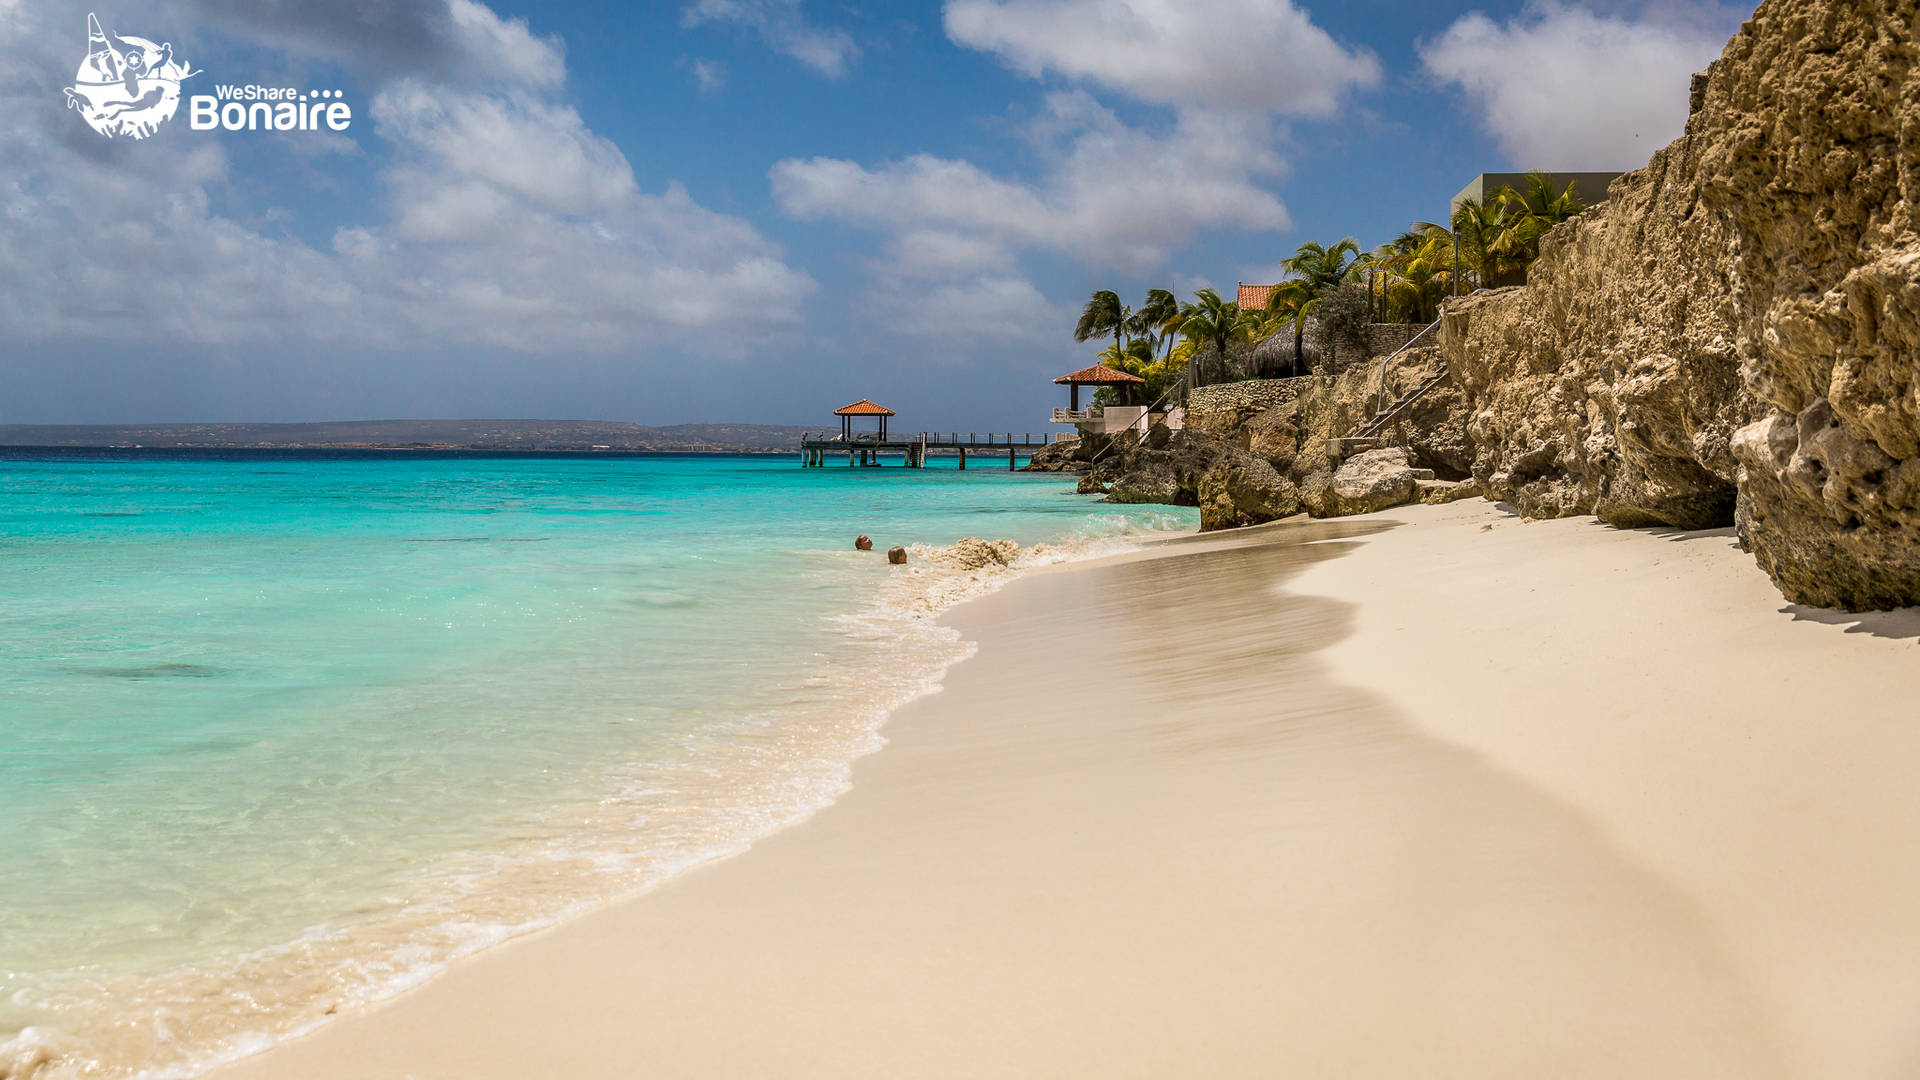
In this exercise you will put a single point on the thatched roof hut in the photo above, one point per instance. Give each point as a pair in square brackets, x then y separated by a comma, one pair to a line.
[1274, 356]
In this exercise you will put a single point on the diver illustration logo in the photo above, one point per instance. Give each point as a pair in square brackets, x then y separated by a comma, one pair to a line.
[126, 85]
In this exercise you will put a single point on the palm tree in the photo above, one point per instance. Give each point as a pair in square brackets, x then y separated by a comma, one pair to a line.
[1214, 324]
[1104, 313]
[1315, 269]
[1132, 357]
[1541, 202]
[1417, 279]
[1290, 304]
[1153, 316]
[1490, 237]
[1321, 267]
[1538, 210]
[1135, 358]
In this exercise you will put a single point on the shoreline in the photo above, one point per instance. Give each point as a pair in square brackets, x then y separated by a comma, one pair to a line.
[1234, 826]
[322, 968]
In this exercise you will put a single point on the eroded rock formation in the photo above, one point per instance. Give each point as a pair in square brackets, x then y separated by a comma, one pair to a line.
[1735, 334]
[1732, 337]
[1242, 489]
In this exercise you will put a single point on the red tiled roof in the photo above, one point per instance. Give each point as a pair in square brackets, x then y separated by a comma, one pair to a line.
[1254, 297]
[1098, 374]
[863, 407]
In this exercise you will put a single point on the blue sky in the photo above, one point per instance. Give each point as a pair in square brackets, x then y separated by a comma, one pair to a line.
[747, 210]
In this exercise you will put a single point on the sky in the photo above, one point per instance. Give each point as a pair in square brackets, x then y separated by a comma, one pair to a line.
[746, 211]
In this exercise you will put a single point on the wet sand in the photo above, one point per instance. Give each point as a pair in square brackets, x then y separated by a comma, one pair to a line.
[1350, 798]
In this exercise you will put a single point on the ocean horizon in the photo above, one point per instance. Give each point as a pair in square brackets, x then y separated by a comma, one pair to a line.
[286, 731]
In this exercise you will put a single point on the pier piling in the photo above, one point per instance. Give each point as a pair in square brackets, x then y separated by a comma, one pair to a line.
[865, 451]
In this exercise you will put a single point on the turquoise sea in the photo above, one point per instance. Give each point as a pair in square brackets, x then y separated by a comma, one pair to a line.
[281, 734]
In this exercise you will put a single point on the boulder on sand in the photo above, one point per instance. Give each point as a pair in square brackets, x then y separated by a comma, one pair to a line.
[1367, 482]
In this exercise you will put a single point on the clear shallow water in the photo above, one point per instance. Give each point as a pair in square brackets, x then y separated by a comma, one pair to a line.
[279, 735]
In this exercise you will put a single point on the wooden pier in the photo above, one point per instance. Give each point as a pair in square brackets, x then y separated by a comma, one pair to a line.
[865, 450]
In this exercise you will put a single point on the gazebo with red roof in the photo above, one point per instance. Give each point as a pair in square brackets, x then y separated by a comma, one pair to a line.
[1098, 375]
[863, 407]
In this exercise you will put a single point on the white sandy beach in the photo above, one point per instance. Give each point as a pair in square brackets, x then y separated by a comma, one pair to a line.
[1455, 797]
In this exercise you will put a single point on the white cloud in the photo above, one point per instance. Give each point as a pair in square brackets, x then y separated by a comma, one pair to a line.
[532, 151]
[939, 253]
[1263, 56]
[1563, 88]
[710, 75]
[506, 48]
[508, 224]
[1110, 195]
[510, 220]
[784, 29]
[987, 307]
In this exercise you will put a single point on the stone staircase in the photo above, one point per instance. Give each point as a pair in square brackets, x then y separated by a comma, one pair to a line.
[1372, 428]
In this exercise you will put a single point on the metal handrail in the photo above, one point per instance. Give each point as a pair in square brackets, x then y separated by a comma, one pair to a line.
[1382, 403]
[1145, 416]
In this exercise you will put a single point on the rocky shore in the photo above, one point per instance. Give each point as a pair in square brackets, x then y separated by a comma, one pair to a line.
[1256, 451]
[1733, 337]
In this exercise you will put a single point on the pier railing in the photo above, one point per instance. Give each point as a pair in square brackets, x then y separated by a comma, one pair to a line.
[935, 440]
[865, 449]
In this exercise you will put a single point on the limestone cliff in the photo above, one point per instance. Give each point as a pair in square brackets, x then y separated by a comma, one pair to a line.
[1735, 333]
[1733, 336]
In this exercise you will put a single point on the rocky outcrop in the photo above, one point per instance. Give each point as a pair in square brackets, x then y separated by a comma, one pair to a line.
[1735, 334]
[1241, 489]
[1580, 402]
[1375, 480]
[1167, 469]
[1433, 430]
[1733, 337]
[1256, 451]
[1148, 482]
[1066, 455]
[1441, 492]
[1273, 435]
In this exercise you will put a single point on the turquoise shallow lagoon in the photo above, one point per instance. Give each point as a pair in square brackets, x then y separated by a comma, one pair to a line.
[279, 734]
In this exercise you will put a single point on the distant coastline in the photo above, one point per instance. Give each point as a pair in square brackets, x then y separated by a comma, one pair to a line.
[450, 436]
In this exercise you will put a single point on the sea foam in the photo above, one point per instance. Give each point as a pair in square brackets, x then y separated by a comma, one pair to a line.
[687, 795]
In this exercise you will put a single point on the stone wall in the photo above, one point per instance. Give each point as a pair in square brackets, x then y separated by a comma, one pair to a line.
[1220, 409]
[1383, 338]
[1735, 334]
